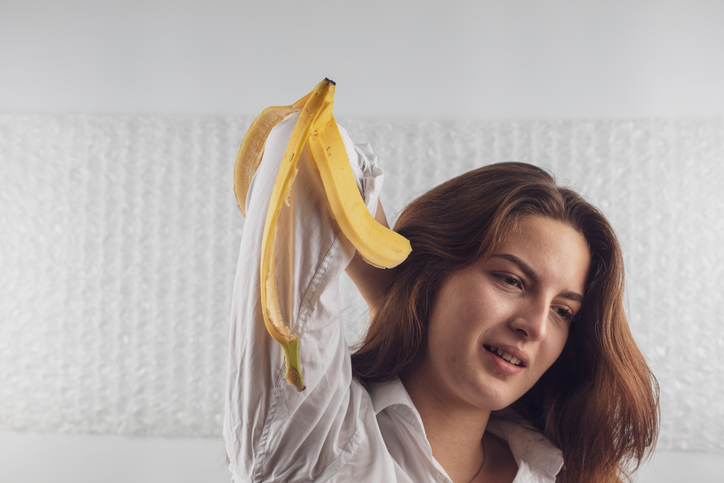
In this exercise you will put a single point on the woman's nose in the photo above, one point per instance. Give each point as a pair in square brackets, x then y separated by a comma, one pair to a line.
[532, 320]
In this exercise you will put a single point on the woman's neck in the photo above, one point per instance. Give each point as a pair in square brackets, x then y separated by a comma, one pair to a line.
[455, 431]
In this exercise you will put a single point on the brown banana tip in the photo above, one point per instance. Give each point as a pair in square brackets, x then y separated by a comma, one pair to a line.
[330, 81]
[295, 379]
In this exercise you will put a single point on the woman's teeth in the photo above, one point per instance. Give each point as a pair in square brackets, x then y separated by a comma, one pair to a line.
[504, 355]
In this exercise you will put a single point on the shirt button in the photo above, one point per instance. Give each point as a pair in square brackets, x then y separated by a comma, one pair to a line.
[440, 477]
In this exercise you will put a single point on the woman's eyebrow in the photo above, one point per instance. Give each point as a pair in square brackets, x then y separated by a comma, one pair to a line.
[530, 273]
[521, 264]
[572, 296]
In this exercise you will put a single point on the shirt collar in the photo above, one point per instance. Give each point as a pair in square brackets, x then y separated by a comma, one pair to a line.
[390, 393]
[393, 395]
[527, 445]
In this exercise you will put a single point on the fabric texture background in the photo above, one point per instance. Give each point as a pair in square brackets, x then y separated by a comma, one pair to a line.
[120, 236]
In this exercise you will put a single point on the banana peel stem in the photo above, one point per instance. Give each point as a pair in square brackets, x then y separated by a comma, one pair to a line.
[291, 357]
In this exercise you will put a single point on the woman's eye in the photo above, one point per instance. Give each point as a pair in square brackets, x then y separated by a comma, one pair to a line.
[510, 280]
[564, 313]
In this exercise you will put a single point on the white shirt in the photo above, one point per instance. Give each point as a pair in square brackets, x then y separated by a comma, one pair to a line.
[335, 430]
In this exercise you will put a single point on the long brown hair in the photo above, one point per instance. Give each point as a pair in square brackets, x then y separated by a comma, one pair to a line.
[599, 401]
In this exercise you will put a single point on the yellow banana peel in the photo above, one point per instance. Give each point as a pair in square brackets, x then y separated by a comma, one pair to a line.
[378, 245]
[251, 150]
[317, 129]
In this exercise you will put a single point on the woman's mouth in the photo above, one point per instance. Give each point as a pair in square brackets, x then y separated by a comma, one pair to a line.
[507, 357]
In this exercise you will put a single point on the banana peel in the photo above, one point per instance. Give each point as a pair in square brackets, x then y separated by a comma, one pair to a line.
[317, 131]
[251, 150]
[378, 245]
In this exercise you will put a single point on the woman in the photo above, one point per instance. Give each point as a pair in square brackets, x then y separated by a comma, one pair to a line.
[499, 351]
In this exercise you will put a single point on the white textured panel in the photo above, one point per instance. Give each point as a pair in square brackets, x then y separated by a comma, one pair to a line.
[120, 235]
[118, 247]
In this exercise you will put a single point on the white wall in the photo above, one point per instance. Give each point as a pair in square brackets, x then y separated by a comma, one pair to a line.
[402, 59]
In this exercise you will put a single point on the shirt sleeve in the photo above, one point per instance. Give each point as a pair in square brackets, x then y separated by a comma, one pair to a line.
[272, 432]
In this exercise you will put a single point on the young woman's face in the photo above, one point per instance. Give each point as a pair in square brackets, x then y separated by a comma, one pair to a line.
[498, 326]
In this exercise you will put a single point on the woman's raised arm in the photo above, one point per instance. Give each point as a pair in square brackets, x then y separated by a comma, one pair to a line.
[370, 281]
[274, 432]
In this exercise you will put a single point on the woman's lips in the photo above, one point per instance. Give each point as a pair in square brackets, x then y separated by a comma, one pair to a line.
[510, 362]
